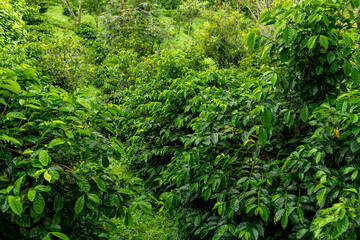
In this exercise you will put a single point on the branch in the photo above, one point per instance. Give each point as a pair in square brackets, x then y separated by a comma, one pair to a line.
[5, 108]
[13, 150]
[61, 165]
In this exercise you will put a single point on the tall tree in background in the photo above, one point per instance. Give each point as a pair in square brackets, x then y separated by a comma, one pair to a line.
[188, 11]
[95, 8]
[77, 19]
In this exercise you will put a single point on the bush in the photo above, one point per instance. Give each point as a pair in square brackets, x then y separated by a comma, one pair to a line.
[236, 155]
[44, 6]
[54, 151]
[134, 26]
[221, 37]
[126, 69]
[11, 23]
[67, 63]
[86, 31]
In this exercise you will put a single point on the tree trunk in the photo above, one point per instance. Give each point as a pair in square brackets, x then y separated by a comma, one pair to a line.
[67, 4]
[189, 29]
[79, 12]
[358, 23]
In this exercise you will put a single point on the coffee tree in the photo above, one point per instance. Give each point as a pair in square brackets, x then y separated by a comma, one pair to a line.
[236, 155]
[54, 150]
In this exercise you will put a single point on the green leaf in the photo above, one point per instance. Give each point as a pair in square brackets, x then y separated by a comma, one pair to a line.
[128, 218]
[17, 115]
[344, 106]
[311, 42]
[44, 157]
[354, 118]
[251, 40]
[266, 117]
[100, 183]
[300, 214]
[324, 42]
[43, 188]
[83, 132]
[115, 201]
[318, 157]
[47, 237]
[15, 204]
[84, 185]
[79, 205]
[58, 203]
[55, 142]
[47, 176]
[355, 75]
[273, 78]
[31, 195]
[279, 214]
[95, 198]
[118, 148]
[342, 225]
[265, 213]
[304, 113]
[250, 207]
[145, 206]
[11, 86]
[235, 204]
[319, 69]
[354, 146]
[347, 68]
[288, 34]
[347, 39]
[215, 138]
[321, 195]
[220, 232]
[39, 203]
[60, 235]
[334, 66]
[331, 57]
[17, 185]
[354, 175]
[284, 221]
[263, 137]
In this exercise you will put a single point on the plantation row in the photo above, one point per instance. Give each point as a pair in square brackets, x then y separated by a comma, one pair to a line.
[254, 135]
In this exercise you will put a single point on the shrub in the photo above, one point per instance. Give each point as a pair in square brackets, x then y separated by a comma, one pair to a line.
[221, 37]
[135, 26]
[66, 63]
[54, 151]
[11, 23]
[233, 155]
[86, 31]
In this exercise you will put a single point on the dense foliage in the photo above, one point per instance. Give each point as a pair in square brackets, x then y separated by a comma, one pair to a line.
[247, 130]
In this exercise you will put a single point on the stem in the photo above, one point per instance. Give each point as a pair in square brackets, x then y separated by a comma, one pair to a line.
[13, 150]
[5, 108]
[64, 166]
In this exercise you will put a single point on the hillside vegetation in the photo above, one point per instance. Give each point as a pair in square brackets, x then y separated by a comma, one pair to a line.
[182, 119]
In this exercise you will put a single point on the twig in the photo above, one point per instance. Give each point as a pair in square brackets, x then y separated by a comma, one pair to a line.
[64, 166]
[5, 108]
[11, 149]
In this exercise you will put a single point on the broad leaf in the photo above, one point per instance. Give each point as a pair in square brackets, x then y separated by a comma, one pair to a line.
[79, 205]
[39, 203]
[15, 204]
[263, 137]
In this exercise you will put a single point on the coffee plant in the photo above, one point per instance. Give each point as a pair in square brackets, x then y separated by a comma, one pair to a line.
[239, 155]
[54, 150]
